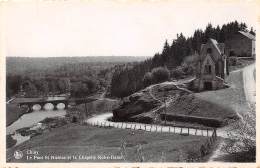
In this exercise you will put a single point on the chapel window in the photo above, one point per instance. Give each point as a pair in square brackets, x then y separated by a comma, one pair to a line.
[209, 51]
[207, 69]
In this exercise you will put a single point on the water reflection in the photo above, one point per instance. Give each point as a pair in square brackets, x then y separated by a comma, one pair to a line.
[27, 120]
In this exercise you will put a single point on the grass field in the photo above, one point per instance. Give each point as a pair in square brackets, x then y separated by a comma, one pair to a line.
[224, 104]
[88, 141]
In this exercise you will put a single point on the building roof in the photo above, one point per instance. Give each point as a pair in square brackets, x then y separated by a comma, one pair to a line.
[215, 44]
[247, 34]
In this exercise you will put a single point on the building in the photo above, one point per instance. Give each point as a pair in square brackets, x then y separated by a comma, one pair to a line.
[241, 44]
[211, 67]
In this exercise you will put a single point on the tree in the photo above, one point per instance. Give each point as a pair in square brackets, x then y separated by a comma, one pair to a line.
[252, 31]
[147, 80]
[13, 83]
[131, 78]
[160, 74]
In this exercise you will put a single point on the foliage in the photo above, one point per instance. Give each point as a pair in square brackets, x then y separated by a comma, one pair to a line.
[242, 137]
[13, 83]
[148, 79]
[129, 79]
[177, 73]
[160, 74]
[157, 75]
[80, 79]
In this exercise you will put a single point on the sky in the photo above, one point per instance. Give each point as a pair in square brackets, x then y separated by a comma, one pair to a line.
[110, 27]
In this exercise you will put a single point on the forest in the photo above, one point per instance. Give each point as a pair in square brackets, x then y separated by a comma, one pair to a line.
[129, 79]
[118, 76]
[79, 76]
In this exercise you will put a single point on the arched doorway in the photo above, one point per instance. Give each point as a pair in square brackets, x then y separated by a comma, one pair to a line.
[207, 85]
[232, 53]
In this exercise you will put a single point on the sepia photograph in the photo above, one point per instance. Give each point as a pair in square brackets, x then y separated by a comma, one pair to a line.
[118, 81]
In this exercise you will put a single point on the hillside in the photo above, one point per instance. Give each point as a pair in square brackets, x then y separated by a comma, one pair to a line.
[20, 65]
[80, 75]
[183, 108]
[128, 80]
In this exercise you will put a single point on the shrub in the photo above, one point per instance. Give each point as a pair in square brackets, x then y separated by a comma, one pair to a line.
[148, 78]
[177, 73]
[160, 74]
[242, 136]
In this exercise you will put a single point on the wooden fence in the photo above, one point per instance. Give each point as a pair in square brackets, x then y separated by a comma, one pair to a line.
[159, 128]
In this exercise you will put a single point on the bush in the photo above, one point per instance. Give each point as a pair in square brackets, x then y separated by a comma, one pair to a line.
[177, 73]
[160, 74]
[242, 136]
[148, 79]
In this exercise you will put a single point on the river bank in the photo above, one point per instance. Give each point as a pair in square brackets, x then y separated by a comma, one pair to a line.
[13, 113]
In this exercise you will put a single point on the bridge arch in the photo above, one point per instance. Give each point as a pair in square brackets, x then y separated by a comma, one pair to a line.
[61, 105]
[36, 107]
[49, 106]
[45, 104]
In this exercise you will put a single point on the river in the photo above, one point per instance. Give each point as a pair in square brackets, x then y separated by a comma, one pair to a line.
[32, 119]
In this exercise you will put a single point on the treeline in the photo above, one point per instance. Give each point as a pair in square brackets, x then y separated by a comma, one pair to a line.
[22, 65]
[78, 79]
[129, 79]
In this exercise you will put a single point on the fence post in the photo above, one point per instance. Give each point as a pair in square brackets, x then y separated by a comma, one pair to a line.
[145, 127]
[151, 128]
[173, 129]
[140, 126]
[196, 131]
[188, 131]
[161, 128]
[207, 132]
[135, 127]
[156, 129]
[169, 129]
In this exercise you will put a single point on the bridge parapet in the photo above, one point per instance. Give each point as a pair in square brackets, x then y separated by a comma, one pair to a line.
[30, 104]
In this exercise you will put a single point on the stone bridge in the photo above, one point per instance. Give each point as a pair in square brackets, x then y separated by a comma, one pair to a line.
[65, 101]
[30, 104]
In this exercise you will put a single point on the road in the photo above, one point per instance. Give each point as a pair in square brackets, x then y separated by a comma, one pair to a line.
[249, 83]
[250, 93]
[103, 121]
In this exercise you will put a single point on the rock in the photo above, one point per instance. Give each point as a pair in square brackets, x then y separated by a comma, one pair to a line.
[135, 96]
[138, 106]
[138, 103]
[168, 87]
